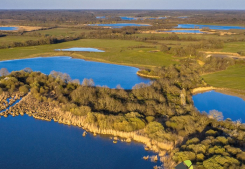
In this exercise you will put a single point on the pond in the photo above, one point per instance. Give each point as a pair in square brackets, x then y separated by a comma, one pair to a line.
[118, 25]
[80, 50]
[8, 28]
[102, 73]
[196, 26]
[126, 18]
[184, 31]
[231, 106]
[29, 143]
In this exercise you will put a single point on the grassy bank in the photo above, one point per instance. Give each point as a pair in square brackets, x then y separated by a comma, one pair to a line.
[233, 77]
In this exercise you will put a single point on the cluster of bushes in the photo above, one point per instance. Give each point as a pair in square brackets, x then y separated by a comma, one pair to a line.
[211, 64]
[217, 146]
[193, 49]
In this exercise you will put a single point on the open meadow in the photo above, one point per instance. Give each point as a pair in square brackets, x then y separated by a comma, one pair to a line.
[116, 51]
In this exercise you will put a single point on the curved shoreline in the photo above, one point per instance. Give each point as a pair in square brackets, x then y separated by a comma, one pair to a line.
[227, 91]
[49, 111]
[147, 76]
[25, 28]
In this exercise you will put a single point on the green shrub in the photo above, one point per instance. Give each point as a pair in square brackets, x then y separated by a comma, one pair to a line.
[241, 156]
[24, 89]
[218, 161]
[211, 133]
[200, 157]
[184, 155]
[233, 150]
[197, 148]
[150, 119]
[91, 118]
[193, 141]
[222, 139]
[216, 150]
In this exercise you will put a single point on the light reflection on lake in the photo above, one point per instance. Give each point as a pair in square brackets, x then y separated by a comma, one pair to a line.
[231, 106]
[81, 50]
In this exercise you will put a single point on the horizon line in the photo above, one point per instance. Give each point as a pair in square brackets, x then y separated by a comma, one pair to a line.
[134, 9]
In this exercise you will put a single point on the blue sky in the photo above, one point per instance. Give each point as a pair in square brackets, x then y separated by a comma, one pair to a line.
[122, 4]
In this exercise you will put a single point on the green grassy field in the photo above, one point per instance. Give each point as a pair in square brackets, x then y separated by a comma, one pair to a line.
[233, 77]
[116, 51]
[61, 31]
[234, 47]
[197, 36]
[9, 39]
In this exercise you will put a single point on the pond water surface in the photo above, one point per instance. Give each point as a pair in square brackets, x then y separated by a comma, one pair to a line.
[81, 50]
[118, 25]
[8, 28]
[126, 18]
[34, 144]
[231, 106]
[102, 73]
[185, 31]
[194, 26]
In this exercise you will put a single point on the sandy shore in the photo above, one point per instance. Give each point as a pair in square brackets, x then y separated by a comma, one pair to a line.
[225, 54]
[25, 28]
[227, 91]
[147, 76]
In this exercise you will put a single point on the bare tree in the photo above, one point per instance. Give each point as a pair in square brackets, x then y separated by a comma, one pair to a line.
[88, 82]
[214, 114]
[27, 69]
[119, 86]
[4, 72]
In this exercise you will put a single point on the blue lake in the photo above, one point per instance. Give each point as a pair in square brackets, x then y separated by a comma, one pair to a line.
[8, 28]
[27, 143]
[102, 73]
[194, 26]
[81, 50]
[118, 25]
[231, 106]
[126, 18]
[185, 31]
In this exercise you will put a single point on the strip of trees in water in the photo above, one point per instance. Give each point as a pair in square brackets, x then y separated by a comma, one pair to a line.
[163, 109]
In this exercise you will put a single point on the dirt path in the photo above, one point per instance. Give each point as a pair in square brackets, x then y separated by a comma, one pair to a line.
[225, 54]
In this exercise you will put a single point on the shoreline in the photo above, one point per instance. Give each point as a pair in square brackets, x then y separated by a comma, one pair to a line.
[147, 76]
[227, 91]
[49, 111]
[25, 28]
[162, 31]
[79, 56]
